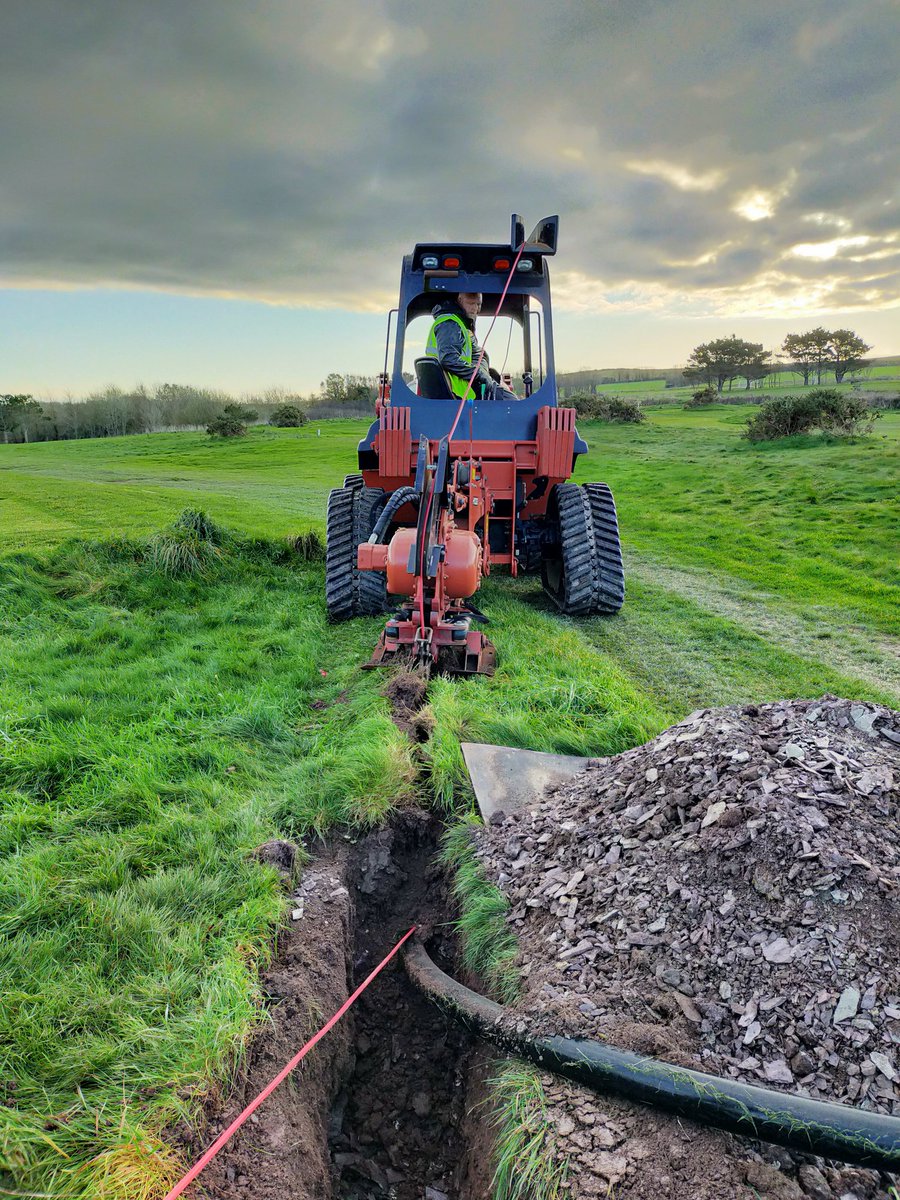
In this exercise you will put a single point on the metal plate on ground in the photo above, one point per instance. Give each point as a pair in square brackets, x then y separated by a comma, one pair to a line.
[505, 778]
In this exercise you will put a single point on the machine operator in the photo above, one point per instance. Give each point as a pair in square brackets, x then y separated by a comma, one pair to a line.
[453, 343]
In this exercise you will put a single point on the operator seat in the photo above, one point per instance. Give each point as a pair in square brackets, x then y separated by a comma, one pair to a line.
[431, 379]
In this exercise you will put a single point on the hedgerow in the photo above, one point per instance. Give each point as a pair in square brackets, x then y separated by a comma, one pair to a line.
[824, 409]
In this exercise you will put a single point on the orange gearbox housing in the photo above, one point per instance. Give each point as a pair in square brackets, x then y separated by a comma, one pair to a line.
[462, 563]
[400, 580]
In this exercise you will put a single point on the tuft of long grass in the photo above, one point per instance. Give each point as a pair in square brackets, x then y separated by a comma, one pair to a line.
[524, 1164]
[308, 546]
[200, 525]
[181, 551]
[258, 721]
[488, 945]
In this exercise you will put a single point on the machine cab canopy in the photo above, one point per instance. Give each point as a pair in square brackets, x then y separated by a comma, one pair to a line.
[522, 338]
[470, 258]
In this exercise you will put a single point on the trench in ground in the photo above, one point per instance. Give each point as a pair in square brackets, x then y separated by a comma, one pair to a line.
[399, 1126]
[388, 1105]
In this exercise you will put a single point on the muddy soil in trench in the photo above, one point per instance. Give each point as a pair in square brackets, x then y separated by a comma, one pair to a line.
[378, 1110]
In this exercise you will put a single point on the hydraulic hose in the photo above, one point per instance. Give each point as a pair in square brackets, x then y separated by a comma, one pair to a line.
[396, 501]
[836, 1131]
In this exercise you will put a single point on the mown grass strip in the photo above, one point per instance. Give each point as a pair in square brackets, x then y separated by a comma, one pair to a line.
[810, 520]
[692, 642]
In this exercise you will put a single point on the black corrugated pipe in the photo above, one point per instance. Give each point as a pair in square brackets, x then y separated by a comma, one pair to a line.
[397, 499]
[809, 1126]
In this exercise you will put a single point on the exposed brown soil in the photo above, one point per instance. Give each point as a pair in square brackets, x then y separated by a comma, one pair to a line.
[405, 692]
[396, 1125]
[728, 897]
[378, 1109]
[283, 1149]
[794, 854]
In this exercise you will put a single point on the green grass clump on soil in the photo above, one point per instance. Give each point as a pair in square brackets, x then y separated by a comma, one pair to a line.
[524, 1164]
[154, 729]
[489, 946]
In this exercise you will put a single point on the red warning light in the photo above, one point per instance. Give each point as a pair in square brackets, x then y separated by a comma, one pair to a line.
[501, 264]
[451, 262]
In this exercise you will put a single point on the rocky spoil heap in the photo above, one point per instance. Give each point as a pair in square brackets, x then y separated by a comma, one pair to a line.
[726, 896]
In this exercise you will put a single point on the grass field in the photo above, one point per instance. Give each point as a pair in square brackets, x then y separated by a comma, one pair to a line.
[881, 378]
[153, 730]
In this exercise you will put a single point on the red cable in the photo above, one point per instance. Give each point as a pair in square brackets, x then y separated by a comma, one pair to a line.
[282, 1074]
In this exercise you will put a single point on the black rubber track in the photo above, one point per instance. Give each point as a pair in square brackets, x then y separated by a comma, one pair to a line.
[570, 578]
[353, 481]
[371, 586]
[351, 516]
[340, 555]
[611, 575]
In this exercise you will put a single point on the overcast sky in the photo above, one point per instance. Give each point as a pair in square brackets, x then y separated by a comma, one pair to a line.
[220, 191]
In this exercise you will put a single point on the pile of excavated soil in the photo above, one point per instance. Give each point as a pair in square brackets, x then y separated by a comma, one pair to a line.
[726, 897]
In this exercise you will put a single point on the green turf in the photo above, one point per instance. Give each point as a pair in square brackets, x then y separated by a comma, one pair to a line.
[635, 385]
[810, 521]
[153, 732]
[271, 483]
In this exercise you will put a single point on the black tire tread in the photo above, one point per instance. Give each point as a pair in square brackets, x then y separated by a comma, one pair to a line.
[371, 586]
[340, 567]
[577, 595]
[350, 517]
[611, 573]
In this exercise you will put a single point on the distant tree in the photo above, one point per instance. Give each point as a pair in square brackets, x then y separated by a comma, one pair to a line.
[847, 350]
[240, 412]
[808, 352]
[722, 360]
[353, 390]
[334, 390]
[800, 352]
[820, 340]
[288, 416]
[359, 390]
[15, 413]
[757, 366]
[838, 350]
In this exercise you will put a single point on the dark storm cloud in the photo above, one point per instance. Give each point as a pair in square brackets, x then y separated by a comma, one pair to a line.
[293, 151]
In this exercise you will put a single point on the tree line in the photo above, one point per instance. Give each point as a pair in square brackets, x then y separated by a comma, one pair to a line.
[719, 362]
[171, 406]
[114, 412]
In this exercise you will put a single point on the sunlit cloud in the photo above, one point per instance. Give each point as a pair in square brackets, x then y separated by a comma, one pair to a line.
[825, 250]
[756, 206]
[824, 218]
[679, 176]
